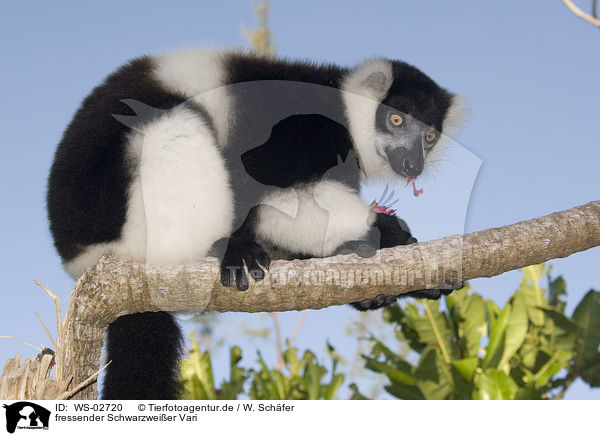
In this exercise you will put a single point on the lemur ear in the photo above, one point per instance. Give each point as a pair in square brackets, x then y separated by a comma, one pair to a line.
[372, 78]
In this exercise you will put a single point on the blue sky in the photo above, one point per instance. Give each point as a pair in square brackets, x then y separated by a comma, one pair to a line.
[530, 71]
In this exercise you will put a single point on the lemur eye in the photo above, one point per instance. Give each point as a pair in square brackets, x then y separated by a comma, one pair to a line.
[430, 136]
[396, 119]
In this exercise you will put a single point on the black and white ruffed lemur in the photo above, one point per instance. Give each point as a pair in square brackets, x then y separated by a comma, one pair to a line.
[193, 153]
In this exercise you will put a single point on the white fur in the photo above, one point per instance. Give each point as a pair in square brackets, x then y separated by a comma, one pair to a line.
[314, 219]
[180, 200]
[89, 257]
[453, 121]
[181, 192]
[357, 81]
[361, 101]
[200, 75]
[456, 115]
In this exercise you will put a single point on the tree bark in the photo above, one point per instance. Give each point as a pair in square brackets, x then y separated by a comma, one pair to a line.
[116, 287]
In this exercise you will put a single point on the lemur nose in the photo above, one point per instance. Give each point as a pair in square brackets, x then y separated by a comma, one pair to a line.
[410, 167]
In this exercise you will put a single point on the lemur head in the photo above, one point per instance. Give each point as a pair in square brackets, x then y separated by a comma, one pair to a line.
[396, 116]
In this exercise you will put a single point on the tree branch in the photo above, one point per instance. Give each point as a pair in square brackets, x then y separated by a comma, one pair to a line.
[592, 19]
[116, 287]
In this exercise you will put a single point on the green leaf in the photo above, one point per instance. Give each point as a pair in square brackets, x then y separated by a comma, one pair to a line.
[266, 385]
[279, 384]
[591, 375]
[587, 317]
[404, 392]
[533, 294]
[413, 310]
[333, 387]
[356, 395]
[497, 335]
[562, 331]
[237, 376]
[202, 373]
[433, 328]
[474, 315]
[433, 376]
[199, 391]
[516, 329]
[529, 349]
[495, 385]
[290, 357]
[466, 367]
[467, 312]
[533, 273]
[393, 374]
[493, 312]
[556, 288]
[528, 394]
[558, 361]
[506, 385]
[312, 379]
[393, 359]
[403, 318]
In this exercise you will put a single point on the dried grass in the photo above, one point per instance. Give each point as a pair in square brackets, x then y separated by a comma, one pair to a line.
[34, 379]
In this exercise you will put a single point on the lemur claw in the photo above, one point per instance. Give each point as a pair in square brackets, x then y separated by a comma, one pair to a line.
[242, 251]
[386, 300]
[375, 303]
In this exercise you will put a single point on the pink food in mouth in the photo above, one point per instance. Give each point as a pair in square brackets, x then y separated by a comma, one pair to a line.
[411, 179]
[382, 209]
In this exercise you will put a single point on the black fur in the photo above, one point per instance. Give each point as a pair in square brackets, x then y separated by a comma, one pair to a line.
[87, 187]
[417, 95]
[243, 67]
[243, 248]
[145, 349]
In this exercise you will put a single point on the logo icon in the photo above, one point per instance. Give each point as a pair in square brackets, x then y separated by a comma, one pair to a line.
[26, 415]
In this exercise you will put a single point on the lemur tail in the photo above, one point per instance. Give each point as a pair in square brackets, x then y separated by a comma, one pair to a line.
[145, 349]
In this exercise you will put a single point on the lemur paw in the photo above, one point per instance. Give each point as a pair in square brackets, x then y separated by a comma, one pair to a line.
[362, 248]
[387, 300]
[375, 303]
[433, 294]
[242, 251]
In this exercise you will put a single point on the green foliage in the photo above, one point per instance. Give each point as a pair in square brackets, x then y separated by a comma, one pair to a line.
[587, 356]
[468, 348]
[197, 376]
[304, 379]
[299, 379]
[472, 349]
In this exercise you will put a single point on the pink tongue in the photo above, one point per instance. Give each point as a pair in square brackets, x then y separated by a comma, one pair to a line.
[411, 179]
